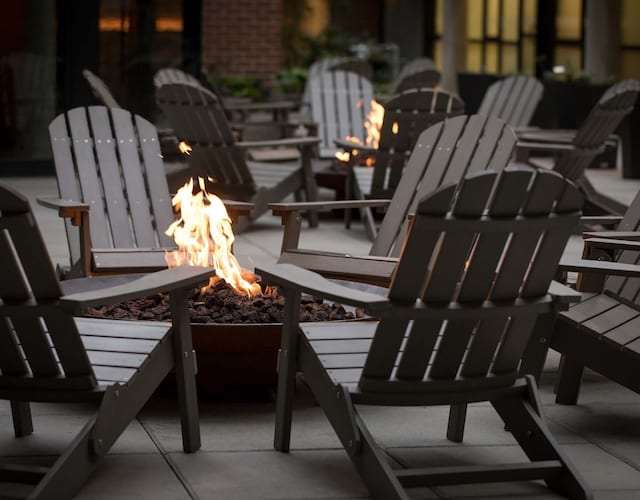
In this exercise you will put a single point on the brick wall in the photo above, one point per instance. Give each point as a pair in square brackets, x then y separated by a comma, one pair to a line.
[242, 37]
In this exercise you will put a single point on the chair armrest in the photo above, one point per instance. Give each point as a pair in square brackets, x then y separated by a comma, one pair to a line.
[149, 284]
[302, 280]
[291, 141]
[292, 222]
[374, 270]
[353, 146]
[612, 235]
[612, 244]
[563, 294]
[603, 220]
[66, 208]
[237, 208]
[283, 208]
[599, 267]
[544, 146]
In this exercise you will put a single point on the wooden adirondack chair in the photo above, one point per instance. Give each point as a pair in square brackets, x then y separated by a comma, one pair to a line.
[417, 73]
[576, 151]
[197, 118]
[405, 117]
[112, 186]
[443, 154]
[453, 327]
[339, 102]
[100, 89]
[48, 355]
[601, 333]
[514, 99]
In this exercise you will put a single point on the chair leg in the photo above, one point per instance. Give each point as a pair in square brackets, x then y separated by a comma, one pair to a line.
[22, 422]
[184, 359]
[457, 419]
[373, 468]
[521, 413]
[568, 383]
[287, 367]
[71, 470]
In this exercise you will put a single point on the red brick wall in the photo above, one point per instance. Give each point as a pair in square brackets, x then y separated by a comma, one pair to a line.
[242, 37]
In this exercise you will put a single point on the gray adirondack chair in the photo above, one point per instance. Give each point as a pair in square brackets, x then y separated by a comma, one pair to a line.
[112, 186]
[100, 89]
[406, 116]
[197, 118]
[601, 333]
[352, 64]
[443, 154]
[48, 355]
[417, 73]
[576, 151]
[514, 99]
[339, 103]
[435, 340]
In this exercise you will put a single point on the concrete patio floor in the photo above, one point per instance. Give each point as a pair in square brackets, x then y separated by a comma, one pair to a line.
[237, 460]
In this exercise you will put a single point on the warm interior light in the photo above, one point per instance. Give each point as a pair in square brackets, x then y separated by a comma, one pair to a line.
[204, 237]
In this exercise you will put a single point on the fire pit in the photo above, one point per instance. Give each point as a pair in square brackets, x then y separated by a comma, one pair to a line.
[235, 324]
[236, 337]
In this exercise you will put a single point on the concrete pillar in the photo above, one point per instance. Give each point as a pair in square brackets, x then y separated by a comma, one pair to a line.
[454, 43]
[602, 39]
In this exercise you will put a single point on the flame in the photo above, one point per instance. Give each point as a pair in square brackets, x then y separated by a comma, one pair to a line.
[185, 148]
[394, 128]
[373, 125]
[204, 237]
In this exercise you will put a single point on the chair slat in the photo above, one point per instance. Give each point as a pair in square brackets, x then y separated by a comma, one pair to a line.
[87, 169]
[112, 181]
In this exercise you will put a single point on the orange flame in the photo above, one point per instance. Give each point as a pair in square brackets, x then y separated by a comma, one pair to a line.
[204, 237]
[373, 125]
[185, 148]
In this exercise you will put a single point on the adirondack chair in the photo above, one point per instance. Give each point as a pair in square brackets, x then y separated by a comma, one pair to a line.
[115, 363]
[197, 118]
[100, 89]
[112, 186]
[452, 328]
[601, 332]
[576, 151]
[417, 73]
[443, 154]
[168, 141]
[339, 102]
[514, 99]
[351, 64]
[405, 117]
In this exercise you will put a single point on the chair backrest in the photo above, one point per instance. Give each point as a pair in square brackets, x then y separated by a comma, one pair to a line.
[514, 99]
[110, 159]
[480, 258]
[602, 121]
[353, 64]
[405, 117]
[340, 102]
[173, 75]
[197, 117]
[443, 154]
[100, 89]
[40, 348]
[417, 73]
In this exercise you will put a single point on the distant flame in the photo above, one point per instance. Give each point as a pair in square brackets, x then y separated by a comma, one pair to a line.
[185, 148]
[204, 237]
[373, 125]
[394, 128]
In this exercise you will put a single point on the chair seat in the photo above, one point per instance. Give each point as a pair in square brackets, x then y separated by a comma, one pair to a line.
[268, 175]
[118, 348]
